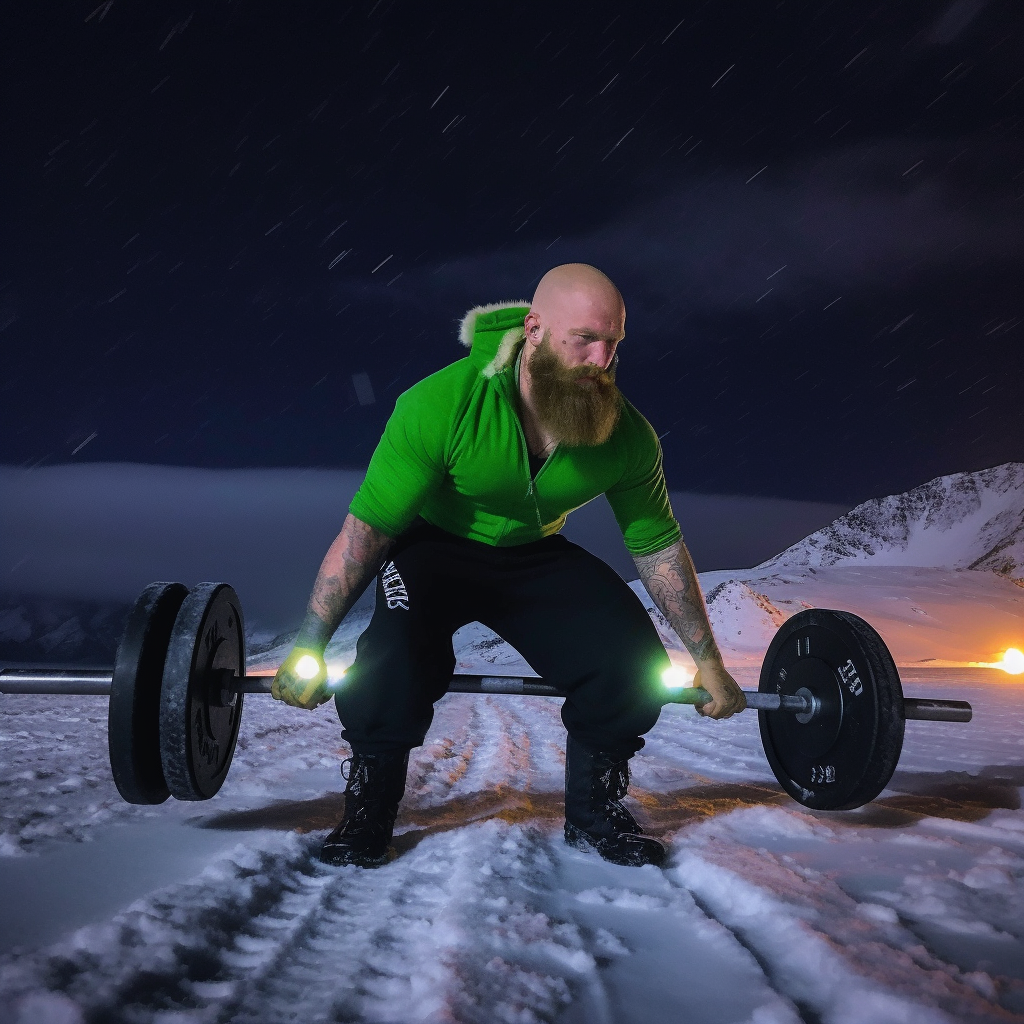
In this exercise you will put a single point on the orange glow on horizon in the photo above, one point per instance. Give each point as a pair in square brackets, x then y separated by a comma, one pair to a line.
[1011, 661]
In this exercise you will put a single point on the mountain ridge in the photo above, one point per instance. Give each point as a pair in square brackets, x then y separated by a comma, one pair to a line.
[972, 520]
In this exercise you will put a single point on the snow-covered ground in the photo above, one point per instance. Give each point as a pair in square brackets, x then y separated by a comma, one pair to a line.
[910, 909]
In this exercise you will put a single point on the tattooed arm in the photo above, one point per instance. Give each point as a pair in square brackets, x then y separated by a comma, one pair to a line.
[671, 580]
[349, 565]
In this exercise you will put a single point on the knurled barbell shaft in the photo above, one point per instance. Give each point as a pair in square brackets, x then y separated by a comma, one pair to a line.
[87, 682]
[66, 682]
[97, 682]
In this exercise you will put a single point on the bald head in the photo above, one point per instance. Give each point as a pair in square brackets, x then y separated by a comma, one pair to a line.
[582, 312]
[577, 290]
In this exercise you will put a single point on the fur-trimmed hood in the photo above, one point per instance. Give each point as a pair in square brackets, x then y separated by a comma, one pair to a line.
[493, 334]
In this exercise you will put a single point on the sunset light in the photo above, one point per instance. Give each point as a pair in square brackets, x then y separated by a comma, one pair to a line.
[1012, 662]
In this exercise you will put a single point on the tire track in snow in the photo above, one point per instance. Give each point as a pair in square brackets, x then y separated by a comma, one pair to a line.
[153, 954]
[665, 959]
[503, 756]
[455, 930]
[498, 749]
[539, 719]
[309, 971]
[488, 744]
[834, 958]
[724, 750]
[432, 936]
[442, 762]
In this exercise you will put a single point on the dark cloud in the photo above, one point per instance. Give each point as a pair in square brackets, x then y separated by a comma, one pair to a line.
[953, 20]
[872, 215]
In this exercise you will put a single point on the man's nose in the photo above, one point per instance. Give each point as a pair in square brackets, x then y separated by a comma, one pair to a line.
[602, 354]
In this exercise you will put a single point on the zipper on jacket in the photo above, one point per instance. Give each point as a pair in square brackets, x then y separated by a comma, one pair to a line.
[531, 491]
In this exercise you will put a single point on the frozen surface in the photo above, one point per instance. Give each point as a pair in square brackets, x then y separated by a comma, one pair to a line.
[907, 910]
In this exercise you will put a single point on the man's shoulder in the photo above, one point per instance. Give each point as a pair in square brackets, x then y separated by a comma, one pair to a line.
[455, 377]
[633, 426]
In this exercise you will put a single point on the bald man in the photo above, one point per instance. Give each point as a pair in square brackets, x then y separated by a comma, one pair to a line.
[459, 516]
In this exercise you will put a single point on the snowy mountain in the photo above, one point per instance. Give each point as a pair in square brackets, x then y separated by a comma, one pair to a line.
[50, 630]
[743, 620]
[740, 612]
[963, 521]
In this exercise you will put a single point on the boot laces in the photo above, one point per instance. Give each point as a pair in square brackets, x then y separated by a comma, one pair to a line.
[611, 783]
[613, 780]
[365, 791]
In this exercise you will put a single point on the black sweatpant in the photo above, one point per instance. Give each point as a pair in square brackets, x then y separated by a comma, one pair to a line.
[568, 613]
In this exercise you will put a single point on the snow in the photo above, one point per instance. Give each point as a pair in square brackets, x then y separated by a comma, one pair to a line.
[965, 520]
[906, 910]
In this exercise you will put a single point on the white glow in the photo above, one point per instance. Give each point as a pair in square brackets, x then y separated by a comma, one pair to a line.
[335, 676]
[307, 667]
[1013, 662]
[675, 677]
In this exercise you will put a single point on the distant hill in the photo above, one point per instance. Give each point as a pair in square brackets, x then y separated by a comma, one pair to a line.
[962, 521]
[55, 631]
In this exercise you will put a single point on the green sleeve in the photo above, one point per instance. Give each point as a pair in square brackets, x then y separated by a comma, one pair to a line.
[406, 467]
[640, 499]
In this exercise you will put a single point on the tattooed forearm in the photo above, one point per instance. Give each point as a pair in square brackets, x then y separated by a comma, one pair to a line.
[671, 580]
[349, 565]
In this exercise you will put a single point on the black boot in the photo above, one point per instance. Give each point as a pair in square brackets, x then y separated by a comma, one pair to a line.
[376, 783]
[595, 782]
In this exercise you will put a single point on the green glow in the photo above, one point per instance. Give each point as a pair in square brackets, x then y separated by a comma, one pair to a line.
[675, 677]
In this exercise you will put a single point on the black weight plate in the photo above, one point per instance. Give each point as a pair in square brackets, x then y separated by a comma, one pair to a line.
[846, 753]
[133, 715]
[197, 734]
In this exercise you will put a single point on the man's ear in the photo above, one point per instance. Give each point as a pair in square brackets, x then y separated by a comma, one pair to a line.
[533, 327]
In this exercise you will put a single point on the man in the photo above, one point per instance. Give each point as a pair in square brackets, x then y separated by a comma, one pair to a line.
[458, 517]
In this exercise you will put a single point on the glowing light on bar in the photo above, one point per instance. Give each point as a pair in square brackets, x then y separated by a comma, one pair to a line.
[335, 676]
[307, 667]
[675, 677]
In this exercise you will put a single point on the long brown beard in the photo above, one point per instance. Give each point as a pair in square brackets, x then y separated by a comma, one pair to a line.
[575, 414]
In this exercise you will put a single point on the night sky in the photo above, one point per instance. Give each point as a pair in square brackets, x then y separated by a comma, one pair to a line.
[218, 217]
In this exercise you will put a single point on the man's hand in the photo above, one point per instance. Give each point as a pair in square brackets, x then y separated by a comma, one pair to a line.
[728, 697]
[302, 680]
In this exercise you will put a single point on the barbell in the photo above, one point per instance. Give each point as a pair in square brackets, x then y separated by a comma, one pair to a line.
[830, 705]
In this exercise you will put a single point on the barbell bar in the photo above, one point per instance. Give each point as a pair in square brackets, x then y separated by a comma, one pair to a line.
[830, 704]
[97, 682]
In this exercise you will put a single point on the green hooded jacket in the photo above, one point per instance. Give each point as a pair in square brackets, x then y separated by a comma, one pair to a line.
[454, 453]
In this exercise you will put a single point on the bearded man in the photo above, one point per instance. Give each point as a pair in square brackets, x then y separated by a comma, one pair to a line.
[459, 517]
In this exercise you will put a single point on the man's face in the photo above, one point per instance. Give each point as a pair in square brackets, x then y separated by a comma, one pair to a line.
[578, 404]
